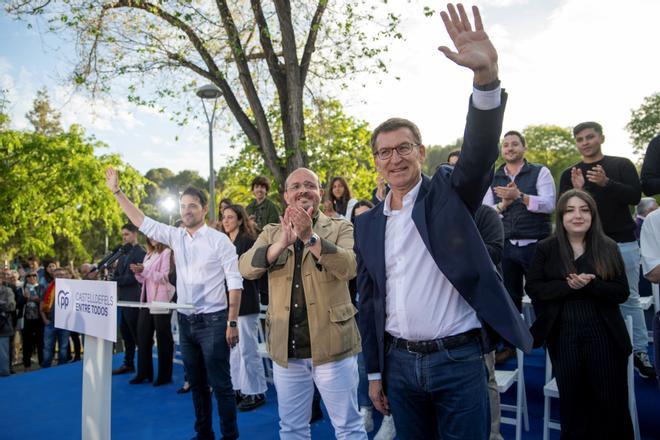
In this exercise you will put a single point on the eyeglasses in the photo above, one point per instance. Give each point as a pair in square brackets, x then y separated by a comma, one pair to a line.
[310, 186]
[403, 149]
[30, 276]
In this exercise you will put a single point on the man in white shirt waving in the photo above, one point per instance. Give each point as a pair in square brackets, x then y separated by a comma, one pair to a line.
[205, 260]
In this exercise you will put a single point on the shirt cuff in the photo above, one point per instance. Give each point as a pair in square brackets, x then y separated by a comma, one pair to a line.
[374, 376]
[234, 283]
[648, 264]
[533, 204]
[486, 99]
[260, 258]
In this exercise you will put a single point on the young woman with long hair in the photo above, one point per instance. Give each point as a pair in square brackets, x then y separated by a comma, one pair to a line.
[339, 196]
[576, 282]
[153, 273]
[247, 369]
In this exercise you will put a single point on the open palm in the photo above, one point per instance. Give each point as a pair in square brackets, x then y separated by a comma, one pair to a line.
[474, 49]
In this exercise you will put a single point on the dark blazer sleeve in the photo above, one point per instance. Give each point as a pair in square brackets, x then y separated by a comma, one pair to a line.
[491, 230]
[650, 174]
[539, 285]
[473, 173]
[366, 317]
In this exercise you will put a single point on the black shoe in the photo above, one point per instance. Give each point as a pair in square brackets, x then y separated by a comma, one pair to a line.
[159, 382]
[251, 402]
[123, 369]
[183, 390]
[317, 414]
[137, 380]
[643, 365]
[239, 396]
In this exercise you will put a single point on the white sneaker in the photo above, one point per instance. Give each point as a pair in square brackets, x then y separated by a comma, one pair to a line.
[387, 430]
[367, 416]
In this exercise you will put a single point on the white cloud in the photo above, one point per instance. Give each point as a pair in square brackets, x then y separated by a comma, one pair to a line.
[561, 62]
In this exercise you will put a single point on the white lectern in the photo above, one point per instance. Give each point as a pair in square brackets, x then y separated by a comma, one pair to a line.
[90, 308]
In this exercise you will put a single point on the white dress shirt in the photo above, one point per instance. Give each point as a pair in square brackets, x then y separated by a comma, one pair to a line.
[543, 202]
[204, 260]
[421, 304]
[650, 242]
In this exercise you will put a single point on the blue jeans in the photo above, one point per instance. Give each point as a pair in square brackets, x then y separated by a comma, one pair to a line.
[631, 260]
[206, 359]
[438, 395]
[50, 334]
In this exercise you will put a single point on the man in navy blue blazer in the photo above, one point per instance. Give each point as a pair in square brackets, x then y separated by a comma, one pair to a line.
[431, 301]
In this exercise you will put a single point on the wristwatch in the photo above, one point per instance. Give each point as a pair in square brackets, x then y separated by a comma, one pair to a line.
[232, 324]
[312, 240]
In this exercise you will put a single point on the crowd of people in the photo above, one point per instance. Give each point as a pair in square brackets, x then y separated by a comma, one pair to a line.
[401, 304]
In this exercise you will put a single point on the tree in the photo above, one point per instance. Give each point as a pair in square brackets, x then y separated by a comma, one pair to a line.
[338, 145]
[53, 194]
[260, 54]
[551, 146]
[644, 123]
[164, 183]
[4, 117]
[436, 155]
[43, 117]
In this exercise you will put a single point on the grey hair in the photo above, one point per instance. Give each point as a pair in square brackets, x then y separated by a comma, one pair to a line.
[646, 204]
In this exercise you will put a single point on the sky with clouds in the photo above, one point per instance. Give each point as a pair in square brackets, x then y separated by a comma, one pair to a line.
[561, 61]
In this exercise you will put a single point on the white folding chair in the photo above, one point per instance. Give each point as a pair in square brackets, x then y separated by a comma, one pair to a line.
[550, 390]
[262, 349]
[505, 379]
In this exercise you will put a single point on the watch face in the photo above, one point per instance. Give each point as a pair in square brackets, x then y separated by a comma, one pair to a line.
[232, 323]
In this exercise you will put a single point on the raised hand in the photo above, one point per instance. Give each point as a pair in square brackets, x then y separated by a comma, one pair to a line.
[474, 49]
[577, 178]
[112, 179]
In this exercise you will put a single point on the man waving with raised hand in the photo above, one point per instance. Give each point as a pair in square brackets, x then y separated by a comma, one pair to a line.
[431, 301]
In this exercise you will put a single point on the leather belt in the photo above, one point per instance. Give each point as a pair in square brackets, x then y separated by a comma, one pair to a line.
[434, 345]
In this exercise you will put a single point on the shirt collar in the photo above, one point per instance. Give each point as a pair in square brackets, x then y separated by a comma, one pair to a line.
[198, 233]
[408, 199]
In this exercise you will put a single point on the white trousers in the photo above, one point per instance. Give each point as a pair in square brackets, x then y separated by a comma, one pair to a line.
[247, 368]
[337, 382]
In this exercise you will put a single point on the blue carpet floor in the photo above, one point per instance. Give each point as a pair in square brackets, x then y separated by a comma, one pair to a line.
[45, 404]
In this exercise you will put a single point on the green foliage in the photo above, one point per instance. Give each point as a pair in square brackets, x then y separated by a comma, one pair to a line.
[163, 183]
[43, 117]
[644, 123]
[436, 155]
[551, 146]
[54, 194]
[336, 144]
[260, 54]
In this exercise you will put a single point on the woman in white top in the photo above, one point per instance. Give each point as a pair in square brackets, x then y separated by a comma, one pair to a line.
[340, 198]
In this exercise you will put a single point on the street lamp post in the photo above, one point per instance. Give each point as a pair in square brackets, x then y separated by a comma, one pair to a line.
[210, 91]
